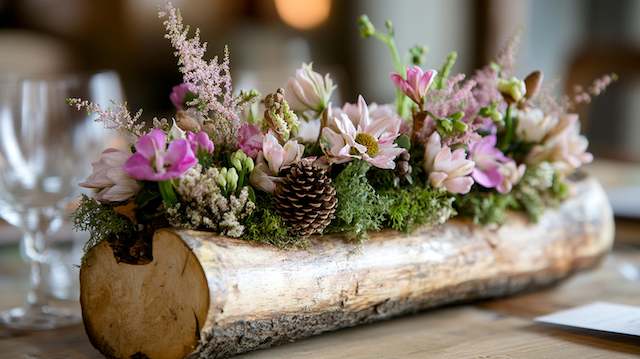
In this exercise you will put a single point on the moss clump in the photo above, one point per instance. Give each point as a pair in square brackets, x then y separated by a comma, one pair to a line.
[360, 207]
[418, 205]
[266, 226]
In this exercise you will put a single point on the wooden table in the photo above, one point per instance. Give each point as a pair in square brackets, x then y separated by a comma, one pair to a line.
[500, 328]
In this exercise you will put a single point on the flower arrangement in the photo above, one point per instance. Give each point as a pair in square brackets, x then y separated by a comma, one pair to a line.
[449, 145]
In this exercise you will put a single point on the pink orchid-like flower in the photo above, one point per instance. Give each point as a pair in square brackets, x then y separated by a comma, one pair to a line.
[200, 142]
[446, 169]
[357, 135]
[250, 139]
[272, 159]
[308, 90]
[109, 179]
[155, 161]
[178, 94]
[416, 84]
[488, 160]
[492, 168]
[564, 147]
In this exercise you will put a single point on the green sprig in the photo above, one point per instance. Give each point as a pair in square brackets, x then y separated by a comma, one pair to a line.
[445, 70]
[101, 221]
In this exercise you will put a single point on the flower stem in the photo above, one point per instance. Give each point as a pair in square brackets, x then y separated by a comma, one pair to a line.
[168, 194]
[399, 67]
[509, 129]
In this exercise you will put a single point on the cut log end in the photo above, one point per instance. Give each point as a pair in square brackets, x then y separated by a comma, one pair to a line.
[154, 310]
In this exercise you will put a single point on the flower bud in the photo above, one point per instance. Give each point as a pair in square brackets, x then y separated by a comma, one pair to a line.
[308, 90]
[513, 89]
[459, 126]
[232, 179]
[236, 159]
[221, 179]
[365, 26]
[187, 122]
[248, 164]
[533, 82]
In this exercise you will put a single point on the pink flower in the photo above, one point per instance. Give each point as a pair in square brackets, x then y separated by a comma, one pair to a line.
[108, 177]
[488, 160]
[492, 168]
[178, 94]
[416, 84]
[250, 140]
[154, 161]
[273, 158]
[564, 147]
[447, 169]
[357, 135]
[200, 142]
[308, 90]
[376, 112]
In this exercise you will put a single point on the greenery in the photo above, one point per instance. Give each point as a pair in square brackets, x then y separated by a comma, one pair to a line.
[101, 221]
[360, 207]
[266, 226]
[540, 187]
[412, 207]
[484, 207]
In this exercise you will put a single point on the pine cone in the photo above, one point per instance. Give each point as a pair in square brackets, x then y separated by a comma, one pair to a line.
[305, 199]
[403, 168]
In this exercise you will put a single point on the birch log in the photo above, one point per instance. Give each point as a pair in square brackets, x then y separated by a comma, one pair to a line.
[206, 296]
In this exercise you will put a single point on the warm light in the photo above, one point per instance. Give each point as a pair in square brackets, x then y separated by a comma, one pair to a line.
[303, 14]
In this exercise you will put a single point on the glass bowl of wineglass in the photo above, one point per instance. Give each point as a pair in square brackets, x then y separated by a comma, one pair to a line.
[45, 150]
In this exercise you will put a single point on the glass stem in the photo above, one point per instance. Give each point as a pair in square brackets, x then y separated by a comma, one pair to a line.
[36, 223]
[35, 250]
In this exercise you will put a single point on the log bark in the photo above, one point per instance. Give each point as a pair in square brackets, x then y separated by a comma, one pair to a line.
[207, 296]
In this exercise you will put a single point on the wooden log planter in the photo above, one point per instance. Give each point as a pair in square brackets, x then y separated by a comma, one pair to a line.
[207, 296]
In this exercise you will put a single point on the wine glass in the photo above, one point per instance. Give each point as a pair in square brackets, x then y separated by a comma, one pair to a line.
[45, 150]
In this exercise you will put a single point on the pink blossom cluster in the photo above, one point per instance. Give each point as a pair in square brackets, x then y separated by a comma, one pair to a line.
[210, 80]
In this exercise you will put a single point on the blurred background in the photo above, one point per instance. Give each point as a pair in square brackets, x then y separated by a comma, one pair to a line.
[571, 41]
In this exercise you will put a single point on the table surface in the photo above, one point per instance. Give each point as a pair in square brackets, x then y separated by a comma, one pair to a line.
[501, 328]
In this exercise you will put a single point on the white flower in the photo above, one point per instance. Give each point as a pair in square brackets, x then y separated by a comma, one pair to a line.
[356, 135]
[564, 147]
[308, 131]
[273, 158]
[534, 125]
[308, 90]
[511, 175]
[446, 169]
[108, 177]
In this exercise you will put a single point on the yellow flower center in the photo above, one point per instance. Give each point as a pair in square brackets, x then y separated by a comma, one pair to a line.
[369, 142]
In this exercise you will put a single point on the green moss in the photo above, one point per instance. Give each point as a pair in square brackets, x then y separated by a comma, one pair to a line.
[266, 226]
[101, 221]
[360, 207]
[416, 206]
